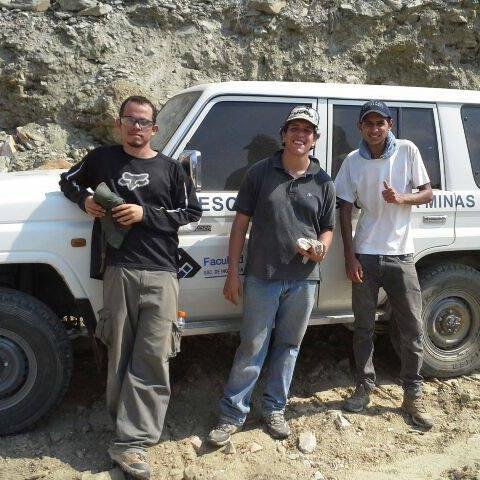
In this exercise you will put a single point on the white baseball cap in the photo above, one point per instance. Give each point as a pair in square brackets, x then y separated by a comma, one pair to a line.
[304, 112]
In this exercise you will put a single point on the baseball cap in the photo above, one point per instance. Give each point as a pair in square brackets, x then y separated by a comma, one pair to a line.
[374, 106]
[304, 112]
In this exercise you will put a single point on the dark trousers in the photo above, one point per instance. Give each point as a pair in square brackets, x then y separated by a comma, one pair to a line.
[398, 277]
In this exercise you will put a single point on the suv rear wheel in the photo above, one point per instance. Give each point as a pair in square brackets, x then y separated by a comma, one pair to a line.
[35, 360]
[451, 320]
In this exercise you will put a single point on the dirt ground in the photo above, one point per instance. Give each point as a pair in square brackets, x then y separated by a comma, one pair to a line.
[380, 444]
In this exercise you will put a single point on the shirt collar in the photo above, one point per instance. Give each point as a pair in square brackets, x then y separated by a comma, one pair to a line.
[312, 169]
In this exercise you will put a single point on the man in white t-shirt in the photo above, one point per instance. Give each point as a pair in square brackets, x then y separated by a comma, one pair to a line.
[379, 178]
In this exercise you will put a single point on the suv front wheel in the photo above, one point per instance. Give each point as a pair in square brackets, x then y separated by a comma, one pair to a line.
[35, 360]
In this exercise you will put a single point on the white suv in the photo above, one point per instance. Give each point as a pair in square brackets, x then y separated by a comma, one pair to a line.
[217, 131]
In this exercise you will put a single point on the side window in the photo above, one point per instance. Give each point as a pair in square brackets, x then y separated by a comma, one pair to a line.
[233, 136]
[418, 125]
[471, 119]
[415, 124]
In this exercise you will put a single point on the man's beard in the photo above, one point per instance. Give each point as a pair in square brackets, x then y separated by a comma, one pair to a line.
[137, 142]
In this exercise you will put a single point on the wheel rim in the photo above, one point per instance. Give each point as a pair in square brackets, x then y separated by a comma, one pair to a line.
[18, 369]
[452, 324]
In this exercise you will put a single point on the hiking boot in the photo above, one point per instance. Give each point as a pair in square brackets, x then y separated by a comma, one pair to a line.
[418, 411]
[358, 400]
[277, 426]
[222, 433]
[133, 463]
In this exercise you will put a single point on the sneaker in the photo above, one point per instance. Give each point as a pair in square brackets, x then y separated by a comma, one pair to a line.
[418, 411]
[277, 426]
[358, 400]
[222, 433]
[133, 463]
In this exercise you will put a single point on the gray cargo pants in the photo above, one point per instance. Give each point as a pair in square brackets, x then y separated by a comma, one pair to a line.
[138, 324]
[398, 277]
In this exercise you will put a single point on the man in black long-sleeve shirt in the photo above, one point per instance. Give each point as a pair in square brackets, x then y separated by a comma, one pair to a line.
[138, 323]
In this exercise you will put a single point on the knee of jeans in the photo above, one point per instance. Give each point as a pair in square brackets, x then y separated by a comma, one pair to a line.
[292, 341]
[252, 346]
[293, 350]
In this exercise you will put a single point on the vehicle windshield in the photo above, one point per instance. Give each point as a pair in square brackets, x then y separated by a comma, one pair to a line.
[171, 116]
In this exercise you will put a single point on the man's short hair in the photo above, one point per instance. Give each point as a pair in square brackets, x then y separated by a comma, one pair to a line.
[140, 100]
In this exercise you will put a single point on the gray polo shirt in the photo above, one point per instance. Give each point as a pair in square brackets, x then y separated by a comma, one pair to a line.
[283, 209]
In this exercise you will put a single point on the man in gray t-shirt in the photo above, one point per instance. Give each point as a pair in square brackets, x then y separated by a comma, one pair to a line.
[287, 197]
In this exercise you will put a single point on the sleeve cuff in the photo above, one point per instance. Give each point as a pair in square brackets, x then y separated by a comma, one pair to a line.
[344, 197]
[81, 202]
[243, 211]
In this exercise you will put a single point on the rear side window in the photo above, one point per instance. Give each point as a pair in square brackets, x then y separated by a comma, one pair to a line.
[471, 127]
[233, 136]
[415, 124]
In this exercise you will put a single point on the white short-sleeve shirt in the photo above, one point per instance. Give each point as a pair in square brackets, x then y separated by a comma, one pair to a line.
[383, 228]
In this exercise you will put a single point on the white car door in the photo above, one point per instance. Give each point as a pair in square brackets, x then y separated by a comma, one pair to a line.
[231, 133]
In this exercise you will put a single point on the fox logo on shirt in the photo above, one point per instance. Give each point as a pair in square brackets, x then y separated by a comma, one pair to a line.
[132, 180]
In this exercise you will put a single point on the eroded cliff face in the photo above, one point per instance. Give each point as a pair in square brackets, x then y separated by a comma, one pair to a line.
[66, 65]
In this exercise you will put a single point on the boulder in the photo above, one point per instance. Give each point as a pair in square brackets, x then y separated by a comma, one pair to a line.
[307, 443]
[255, 447]
[115, 474]
[341, 422]
[8, 149]
[196, 443]
[190, 473]
[29, 133]
[456, 17]
[230, 449]
[28, 5]
[272, 7]
[55, 165]
[76, 5]
[4, 163]
[97, 11]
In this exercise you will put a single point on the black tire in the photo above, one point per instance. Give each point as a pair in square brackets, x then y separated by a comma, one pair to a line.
[36, 361]
[451, 320]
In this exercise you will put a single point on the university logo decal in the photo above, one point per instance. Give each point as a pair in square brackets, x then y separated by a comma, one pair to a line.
[133, 181]
[187, 266]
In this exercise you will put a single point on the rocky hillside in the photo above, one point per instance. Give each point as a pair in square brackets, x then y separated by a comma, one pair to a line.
[66, 64]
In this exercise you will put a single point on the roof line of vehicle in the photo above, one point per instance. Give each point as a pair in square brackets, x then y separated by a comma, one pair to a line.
[340, 91]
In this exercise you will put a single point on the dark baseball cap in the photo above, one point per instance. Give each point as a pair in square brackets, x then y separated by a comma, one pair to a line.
[374, 106]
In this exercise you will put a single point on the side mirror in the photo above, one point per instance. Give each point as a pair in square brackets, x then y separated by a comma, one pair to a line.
[191, 161]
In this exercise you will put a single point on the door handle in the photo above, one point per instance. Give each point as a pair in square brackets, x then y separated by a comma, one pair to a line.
[434, 218]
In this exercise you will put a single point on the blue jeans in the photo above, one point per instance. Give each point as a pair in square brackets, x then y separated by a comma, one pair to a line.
[285, 305]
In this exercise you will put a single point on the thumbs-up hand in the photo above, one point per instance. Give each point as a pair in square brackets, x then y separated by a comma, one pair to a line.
[390, 195]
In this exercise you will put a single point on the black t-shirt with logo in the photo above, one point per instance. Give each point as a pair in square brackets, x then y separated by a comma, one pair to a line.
[158, 184]
[284, 209]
